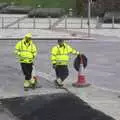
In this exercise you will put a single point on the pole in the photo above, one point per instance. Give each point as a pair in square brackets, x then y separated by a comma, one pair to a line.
[65, 22]
[2, 22]
[34, 22]
[113, 22]
[89, 16]
[18, 25]
[81, 22]
[50, 22]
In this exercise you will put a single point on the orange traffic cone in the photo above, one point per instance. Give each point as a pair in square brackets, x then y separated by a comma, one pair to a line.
[81, 82]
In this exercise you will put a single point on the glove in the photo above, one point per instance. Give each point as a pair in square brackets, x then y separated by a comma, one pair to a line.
[18, 54]
[54, 66]
[78, 53]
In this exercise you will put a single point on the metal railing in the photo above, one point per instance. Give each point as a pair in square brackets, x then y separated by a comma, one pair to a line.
[49, 23]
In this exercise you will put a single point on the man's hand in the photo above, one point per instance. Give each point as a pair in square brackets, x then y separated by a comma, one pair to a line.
[78, 53]
[18, 54]
[54, 66]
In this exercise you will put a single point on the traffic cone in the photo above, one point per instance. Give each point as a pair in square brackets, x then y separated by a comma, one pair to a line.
[81, 81]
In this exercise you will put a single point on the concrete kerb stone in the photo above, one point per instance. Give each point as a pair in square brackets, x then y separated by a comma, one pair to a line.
[64, 38]
[83, 36]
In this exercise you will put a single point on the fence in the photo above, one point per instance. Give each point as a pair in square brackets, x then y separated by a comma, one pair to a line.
[48, 23]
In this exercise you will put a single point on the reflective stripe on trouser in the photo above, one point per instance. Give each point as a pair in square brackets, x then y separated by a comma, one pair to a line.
[59, 81]
[27, 83]
[32, 81]
[61, 62]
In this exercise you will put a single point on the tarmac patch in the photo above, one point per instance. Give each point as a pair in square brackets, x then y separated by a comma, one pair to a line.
[62, 106]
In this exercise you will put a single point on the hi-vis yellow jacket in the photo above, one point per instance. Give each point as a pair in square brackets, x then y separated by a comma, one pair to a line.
[25, 52]
[60, 55]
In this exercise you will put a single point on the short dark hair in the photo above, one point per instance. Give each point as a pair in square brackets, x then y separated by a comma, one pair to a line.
[60, 40]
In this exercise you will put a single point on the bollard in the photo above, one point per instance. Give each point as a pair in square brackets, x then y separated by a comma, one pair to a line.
[2, 22]
[81, 22]
[34, 22]
[65, 22]
[97, 22]
[113, 22]
[18, 25]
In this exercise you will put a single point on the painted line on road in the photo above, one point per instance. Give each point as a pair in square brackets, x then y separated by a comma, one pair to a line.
[49, 76]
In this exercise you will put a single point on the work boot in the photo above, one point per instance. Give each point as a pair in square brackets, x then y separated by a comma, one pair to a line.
[33, 83]
[59, 82]
[26, 85]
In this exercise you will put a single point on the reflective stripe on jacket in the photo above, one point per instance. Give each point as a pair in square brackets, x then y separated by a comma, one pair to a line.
[60, 55]
[25, 52]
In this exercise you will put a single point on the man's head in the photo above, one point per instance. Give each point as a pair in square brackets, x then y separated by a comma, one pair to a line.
[60, 42]
[28, 37]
